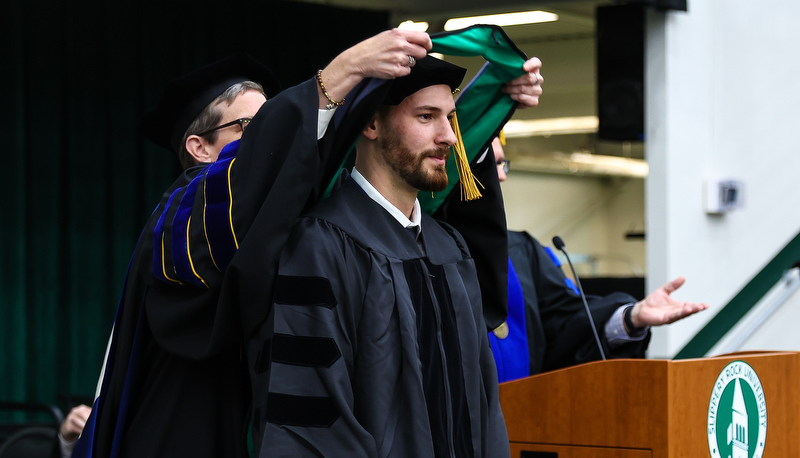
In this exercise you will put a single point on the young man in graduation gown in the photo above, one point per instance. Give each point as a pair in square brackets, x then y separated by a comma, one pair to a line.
[378, 345]
[174, 382]
[547, 326]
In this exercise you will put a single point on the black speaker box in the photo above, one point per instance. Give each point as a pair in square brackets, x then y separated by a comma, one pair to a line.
[663, 5]
[620, 72]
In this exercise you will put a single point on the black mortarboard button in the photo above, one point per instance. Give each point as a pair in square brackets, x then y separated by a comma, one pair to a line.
[185, 97]
[428, 71]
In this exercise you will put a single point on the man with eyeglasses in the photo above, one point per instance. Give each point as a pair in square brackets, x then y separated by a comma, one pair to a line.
[175, 382]
[547, 326]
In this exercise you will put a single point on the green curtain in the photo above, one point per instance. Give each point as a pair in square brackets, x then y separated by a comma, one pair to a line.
[79, 182]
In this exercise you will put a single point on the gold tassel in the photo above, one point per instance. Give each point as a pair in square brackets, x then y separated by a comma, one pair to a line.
[469, 189]
[502, 137]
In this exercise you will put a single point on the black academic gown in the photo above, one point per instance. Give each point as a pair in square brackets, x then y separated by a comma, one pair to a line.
[175, 381]
[559, 333]
[376, 349]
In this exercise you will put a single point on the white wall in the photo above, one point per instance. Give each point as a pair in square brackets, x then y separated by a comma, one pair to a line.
[591, 215]
[722, 100]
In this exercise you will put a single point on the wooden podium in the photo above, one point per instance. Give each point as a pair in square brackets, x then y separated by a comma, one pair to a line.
[630, 408]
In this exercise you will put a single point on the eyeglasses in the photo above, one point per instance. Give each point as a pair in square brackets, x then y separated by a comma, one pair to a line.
[243, 122]
[505, 163]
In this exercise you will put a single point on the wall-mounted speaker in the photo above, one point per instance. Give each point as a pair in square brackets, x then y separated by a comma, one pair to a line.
[620, 72]
[679, 5]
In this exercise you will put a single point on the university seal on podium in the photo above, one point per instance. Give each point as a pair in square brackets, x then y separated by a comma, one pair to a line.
[737, 414]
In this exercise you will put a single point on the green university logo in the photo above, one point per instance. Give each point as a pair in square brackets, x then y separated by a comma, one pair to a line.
[737, 414]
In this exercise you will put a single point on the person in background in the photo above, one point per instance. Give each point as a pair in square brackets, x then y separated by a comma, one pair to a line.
[71, 428]
[547, 326]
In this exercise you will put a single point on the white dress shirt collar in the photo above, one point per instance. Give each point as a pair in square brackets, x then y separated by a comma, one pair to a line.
[416, 217]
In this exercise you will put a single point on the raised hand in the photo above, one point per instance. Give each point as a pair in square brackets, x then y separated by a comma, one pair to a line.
[73, 425]
[660, 308]
[527, 88]
[388, 55]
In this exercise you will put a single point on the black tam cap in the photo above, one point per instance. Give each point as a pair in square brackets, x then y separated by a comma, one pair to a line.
[428, 71]
[187, 96]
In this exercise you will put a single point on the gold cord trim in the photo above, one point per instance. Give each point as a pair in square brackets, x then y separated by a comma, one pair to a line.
[469, 184]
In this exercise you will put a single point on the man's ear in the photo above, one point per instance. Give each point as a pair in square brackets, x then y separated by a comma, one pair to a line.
[371, 129]
[196, 147]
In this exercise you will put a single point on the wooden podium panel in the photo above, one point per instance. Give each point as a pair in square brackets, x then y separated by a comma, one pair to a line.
[638, 408]
[557, 451]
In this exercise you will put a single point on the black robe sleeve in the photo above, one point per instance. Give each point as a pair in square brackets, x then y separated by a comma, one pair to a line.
[482, 224]
[209, 253]
[316, 315]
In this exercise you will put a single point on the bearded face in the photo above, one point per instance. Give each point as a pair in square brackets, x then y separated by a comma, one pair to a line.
[412, 167]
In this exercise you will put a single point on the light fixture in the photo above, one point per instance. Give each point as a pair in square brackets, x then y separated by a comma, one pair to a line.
[413, 26]
[581, 163]
[504, 19]
[551, 126]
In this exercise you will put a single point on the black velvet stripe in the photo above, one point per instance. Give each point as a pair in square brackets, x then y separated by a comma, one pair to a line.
[441, 359]
[297, 351]
[462, 433]
[297, 290]
[308, 411]
[304, 351]
[433, 377]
